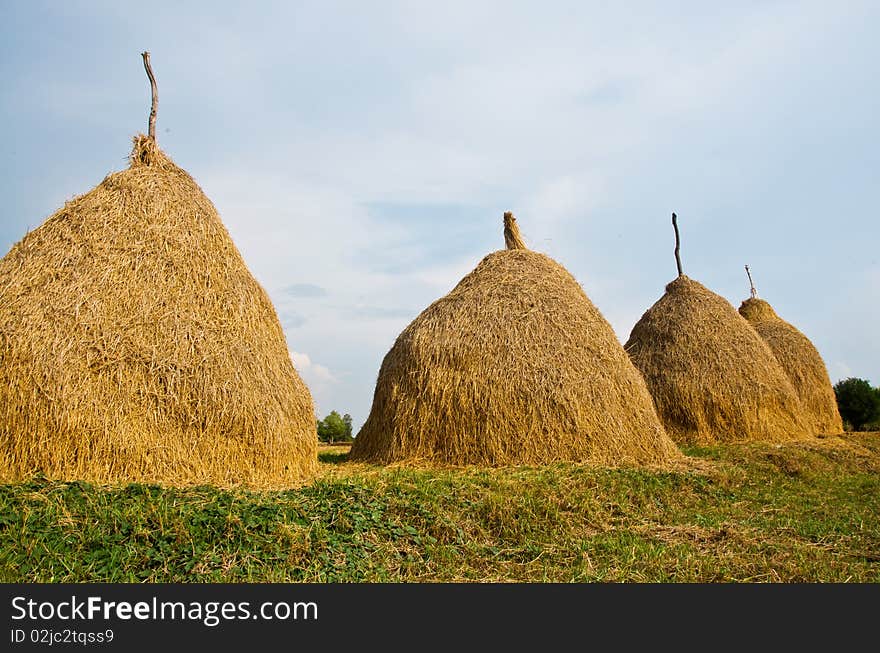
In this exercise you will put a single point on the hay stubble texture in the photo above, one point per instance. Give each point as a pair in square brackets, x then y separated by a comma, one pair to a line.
[135, 345]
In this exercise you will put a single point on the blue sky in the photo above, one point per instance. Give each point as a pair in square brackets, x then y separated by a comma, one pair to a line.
[362, 154]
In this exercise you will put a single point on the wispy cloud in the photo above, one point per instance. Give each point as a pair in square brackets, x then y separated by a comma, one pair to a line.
[291, 319]
[304, 290]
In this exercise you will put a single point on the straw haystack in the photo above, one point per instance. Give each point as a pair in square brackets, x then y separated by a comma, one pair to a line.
[136, 346]
[711, 375]
[514, 366]
[801, 362]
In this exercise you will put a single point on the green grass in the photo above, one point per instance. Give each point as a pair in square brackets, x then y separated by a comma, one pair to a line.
[758, 512]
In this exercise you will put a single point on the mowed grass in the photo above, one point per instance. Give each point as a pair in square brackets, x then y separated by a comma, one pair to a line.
[756, 512]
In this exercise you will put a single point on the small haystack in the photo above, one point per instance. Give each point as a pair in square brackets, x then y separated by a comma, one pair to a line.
[135, 345]
[514, 366]
[801, 362]
[711, 375]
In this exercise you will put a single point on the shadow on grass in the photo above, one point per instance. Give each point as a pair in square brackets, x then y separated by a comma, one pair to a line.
[332, 457]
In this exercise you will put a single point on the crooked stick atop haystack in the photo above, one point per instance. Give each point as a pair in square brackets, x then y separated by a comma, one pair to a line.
[154, 96]
[754, 290]
[677, 244]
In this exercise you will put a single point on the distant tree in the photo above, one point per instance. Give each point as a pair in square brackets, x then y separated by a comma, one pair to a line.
[857, 401]
[876, 423]
[335, 428]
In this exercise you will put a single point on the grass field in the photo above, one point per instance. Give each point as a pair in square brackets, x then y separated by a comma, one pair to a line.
[755, 512]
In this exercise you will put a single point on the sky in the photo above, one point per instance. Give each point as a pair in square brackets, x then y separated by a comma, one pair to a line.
[361, 155]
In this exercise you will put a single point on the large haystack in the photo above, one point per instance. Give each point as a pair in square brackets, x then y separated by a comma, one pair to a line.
[514, 366]
[711, 375]
[136, 346]
[801, 362]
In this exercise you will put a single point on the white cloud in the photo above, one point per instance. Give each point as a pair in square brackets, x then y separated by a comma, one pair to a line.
[308, 369]
[319, 379]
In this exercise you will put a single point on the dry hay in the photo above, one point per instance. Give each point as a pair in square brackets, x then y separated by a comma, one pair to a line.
[514, 366]
[801, 362]
[711, 375]
[136, 346]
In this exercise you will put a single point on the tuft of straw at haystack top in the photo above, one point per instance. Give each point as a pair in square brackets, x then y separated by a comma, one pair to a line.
[514, 366]
[512, 237]
[135, 345]
[711, 375]
[801, 362]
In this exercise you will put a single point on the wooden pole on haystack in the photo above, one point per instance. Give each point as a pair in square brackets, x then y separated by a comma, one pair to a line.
[154, 96]
[677, 244]
[754, 290]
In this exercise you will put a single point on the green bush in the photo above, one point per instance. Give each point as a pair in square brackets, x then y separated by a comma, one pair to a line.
[335, 428]
[858, 402]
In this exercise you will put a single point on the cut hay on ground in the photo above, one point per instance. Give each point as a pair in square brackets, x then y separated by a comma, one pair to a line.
[136, 346]
[801, 362]
[711, 375]
[514, 366]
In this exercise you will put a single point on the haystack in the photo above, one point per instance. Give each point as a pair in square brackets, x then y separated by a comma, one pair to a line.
[135, 345]
[711, 375]
[514, 366]
[801, 362]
